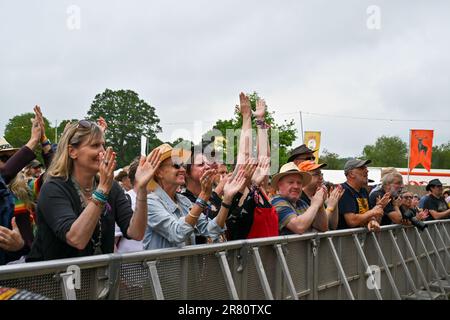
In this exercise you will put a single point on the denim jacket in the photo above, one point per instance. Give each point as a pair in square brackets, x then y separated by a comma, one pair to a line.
[166, 225]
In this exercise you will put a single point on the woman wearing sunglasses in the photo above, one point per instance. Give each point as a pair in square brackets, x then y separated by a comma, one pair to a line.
[80, 201]
[173, 217]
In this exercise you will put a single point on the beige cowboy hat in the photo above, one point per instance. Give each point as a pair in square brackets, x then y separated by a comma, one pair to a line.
[6, 147]
[287, 169]
[167, 151]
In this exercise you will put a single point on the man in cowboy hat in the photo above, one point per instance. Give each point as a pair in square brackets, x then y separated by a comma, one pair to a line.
[354, 204]
[435, 203]
[295, 215]
[300, 154]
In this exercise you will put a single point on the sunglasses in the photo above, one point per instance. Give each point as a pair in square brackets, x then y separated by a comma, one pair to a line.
[85, 124]
[177, 166]
[407, 197]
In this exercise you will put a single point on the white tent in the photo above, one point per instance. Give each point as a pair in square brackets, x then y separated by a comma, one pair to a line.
[418, 177]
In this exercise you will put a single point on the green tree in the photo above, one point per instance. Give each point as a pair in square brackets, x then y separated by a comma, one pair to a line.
[128, 118]
[440, 158]
[333, 160]
[18, 129]
[387, 152]
[286, 131]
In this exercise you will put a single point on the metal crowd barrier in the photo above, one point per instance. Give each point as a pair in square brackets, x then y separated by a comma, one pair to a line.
[406, 264]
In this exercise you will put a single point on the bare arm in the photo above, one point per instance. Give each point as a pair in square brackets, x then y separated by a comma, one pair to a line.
[144, 173]
[355, 220]
[245, 140]
[439, 215]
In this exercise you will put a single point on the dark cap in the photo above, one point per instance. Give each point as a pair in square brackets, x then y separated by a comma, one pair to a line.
[355, 163]
[34, 164]
[433, 183]
[303, 149]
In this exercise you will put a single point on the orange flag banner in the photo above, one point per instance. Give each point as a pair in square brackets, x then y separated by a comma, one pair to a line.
[420, 149]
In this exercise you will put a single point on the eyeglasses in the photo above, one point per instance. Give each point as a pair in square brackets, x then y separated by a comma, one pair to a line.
[317, 174]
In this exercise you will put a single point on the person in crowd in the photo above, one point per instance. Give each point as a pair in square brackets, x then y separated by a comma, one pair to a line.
[316, 183]
[384, 172]
[254, 216]
[124, 181]
[446, 194]
[300, 154]
[415, 201]
[391, 187]
[354, 205]
[424, 198]
[80, 201]
[407, 204]
[33, 170]
[123, 244]
[295, 215]
[436, 204]
[173, 218]
[15, 235]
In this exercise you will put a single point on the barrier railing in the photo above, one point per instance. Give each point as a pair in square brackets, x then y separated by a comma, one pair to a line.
[396, 263]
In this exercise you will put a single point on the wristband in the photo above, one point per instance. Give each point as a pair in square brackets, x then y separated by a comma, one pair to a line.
[100, 195]
[262, 124]
[98, 202]
[228, 206]
[44, 138]
[46, 143]
[202, 203]
[195, 217]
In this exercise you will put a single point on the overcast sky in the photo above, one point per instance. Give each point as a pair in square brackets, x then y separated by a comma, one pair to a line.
[190, 60]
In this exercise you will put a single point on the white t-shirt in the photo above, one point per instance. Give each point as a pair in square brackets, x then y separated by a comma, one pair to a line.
[126, 245]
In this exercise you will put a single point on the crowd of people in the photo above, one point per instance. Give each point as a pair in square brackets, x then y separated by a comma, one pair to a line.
[74, 206]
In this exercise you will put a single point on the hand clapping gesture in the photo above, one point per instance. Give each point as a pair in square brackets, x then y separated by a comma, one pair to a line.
[147, 168]
[107, 165]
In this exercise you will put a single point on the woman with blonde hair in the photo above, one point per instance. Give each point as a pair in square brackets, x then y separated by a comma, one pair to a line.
[80, 201]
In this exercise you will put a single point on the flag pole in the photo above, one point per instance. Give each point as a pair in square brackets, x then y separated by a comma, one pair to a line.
[301, 126]
[409, 154]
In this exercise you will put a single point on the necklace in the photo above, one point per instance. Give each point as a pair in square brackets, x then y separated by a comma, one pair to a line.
[86, 190]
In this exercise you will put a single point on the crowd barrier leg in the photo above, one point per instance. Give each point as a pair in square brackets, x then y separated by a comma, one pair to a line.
[341, 271]
[445, 232]
[433, 295]
[155, 284]
[443, 285]
[285, 269]
[261, 273]
[366, 264]
[442, 241]
[386, 267]
[417, 294]
[227, 275]
[436, 253]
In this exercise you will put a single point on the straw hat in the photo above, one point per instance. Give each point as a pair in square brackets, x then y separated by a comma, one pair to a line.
[287, 169]
[6, 147]
[180, 155]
